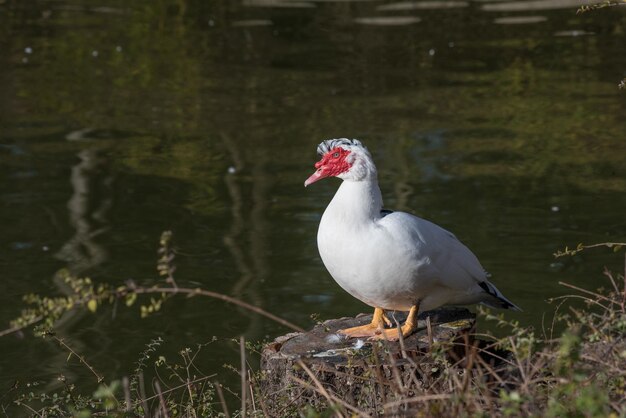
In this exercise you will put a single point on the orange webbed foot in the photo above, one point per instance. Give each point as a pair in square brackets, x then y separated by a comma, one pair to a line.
[369, 330]
[393, 334]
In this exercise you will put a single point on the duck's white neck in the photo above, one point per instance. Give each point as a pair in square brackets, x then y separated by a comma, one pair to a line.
[356, 202]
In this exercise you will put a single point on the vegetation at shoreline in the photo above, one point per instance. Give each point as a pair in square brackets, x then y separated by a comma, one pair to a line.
[606, 3]
[580, 372]
[573, 367]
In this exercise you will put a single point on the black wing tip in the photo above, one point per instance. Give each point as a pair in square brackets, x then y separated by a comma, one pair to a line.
[500, 301]
[509, 305]
[486, 288]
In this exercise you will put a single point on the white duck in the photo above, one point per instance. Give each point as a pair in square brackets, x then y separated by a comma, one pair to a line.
[390, 260]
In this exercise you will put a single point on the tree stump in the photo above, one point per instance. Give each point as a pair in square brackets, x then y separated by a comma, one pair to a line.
[319, 368]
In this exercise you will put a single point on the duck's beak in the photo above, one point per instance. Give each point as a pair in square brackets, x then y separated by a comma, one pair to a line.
[323, 170]
[318, 175]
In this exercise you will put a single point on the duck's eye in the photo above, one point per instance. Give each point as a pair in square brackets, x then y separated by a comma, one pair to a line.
[336, 155]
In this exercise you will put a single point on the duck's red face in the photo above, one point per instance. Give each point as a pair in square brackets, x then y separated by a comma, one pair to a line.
[332, 164]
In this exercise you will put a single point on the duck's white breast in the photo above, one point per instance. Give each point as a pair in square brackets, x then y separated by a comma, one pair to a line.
[371, 265]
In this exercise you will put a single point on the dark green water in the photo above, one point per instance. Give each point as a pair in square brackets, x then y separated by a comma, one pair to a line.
[119, 120]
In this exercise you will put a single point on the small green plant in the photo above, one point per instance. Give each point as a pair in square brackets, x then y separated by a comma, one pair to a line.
[615, 246]
[87, 295]
[180, 388]
[607, 3]
[580, 373]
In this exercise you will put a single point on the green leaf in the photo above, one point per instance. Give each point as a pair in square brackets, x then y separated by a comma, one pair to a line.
[92, 305]
[131, 298]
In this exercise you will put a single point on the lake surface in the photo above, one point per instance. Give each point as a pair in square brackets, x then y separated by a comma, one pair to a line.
[500, 121]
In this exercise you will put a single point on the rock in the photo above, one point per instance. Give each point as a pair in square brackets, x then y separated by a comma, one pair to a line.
[320, 367]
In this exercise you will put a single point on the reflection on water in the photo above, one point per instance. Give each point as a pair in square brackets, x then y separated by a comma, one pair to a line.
[478, 116]
[87, 213]
[252, 22]
[572, 33]
[519, 20]
[278, 4]
[88, 206]
[425, 5]
[246, 239]
[516, 6]
[388, 20]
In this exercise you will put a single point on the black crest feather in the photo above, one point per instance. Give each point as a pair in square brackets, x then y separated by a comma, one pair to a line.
[329, 144]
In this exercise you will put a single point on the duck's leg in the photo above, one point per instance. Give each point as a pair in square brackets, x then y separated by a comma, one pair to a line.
[410, 325]
[369, 330]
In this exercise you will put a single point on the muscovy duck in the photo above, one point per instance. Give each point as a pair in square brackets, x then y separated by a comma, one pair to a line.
[390, 260]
